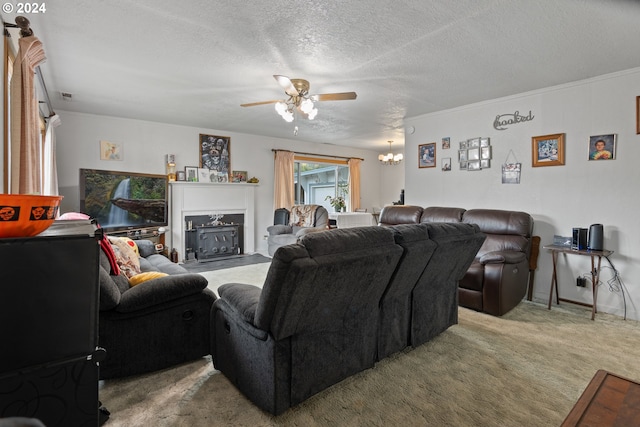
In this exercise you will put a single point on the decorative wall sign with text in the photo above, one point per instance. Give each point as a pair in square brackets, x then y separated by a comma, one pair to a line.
[504, 120]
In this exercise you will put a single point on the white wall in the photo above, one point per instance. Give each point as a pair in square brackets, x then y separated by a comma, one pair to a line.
[145, 145]
[391, 182]
[578, 194]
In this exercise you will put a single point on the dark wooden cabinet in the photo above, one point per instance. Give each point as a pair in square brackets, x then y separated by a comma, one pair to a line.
[49, 329]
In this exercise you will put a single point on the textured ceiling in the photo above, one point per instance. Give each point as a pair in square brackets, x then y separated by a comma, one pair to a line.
[193, 63]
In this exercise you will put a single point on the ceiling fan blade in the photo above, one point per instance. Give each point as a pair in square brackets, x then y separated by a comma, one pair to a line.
[343, 96]
[286, 84]
[253, 104]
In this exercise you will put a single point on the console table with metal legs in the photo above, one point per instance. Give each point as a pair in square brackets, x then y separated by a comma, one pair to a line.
[595, 273]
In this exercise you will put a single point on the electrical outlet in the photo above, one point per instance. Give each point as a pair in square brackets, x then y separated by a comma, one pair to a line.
[581, 282]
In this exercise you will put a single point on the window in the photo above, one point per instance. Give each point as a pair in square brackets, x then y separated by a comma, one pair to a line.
[316, 179]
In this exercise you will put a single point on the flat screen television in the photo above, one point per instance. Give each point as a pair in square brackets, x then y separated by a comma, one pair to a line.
[123, 200]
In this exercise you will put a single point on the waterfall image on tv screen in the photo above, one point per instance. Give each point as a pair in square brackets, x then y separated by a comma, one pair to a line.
[123, 200]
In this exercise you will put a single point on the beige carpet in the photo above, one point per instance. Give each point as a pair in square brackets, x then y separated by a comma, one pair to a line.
[525, 369]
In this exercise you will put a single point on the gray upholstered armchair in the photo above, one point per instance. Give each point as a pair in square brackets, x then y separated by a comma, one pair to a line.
[303, 219]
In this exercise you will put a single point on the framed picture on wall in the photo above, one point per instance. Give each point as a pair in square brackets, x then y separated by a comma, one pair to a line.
[473, 153]
[427, 155]
[474, 165]
[111, 151]
[547, 150]
[602, 147]
[473, 142]
[511, 173]
[215, 153]
[446, 164]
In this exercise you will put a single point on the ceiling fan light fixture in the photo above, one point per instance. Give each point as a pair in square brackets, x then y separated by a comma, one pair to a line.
[299, 99]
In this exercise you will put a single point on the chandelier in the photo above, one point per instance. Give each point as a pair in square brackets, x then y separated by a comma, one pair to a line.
[390, 158]
[301, 102]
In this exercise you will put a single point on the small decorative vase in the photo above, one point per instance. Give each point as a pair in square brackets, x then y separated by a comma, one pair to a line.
[337, 209]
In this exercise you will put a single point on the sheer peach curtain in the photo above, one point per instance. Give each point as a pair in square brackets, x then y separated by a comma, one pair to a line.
[354, 183]
[25, 129]
[283, 196]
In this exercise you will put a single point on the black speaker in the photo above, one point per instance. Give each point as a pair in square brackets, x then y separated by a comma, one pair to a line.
[595, 237]
[579, 240]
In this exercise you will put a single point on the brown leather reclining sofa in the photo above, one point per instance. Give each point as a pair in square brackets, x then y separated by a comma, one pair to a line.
[497, 279]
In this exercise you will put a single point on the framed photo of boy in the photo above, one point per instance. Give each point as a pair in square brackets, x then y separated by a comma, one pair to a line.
[547, 150]
[602, 147]
[427, 155]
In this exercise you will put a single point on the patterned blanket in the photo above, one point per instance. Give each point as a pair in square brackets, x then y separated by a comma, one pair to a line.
[303, 215]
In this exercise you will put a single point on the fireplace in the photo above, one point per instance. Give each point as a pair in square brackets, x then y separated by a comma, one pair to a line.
[210, 237]
[202, 202]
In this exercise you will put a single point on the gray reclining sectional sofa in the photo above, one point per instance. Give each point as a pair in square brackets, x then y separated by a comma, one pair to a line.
[335, 303]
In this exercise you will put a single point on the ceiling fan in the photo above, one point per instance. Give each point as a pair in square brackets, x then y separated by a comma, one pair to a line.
[299, 99]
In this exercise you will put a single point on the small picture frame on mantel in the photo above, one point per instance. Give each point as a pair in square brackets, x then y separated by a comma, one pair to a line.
[191, 173]
[239, 176]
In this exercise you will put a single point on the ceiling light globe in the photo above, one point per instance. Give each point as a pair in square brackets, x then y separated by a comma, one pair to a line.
[281, 107]
[306, 106]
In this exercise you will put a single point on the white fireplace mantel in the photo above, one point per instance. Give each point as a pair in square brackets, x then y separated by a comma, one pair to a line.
[203, 198]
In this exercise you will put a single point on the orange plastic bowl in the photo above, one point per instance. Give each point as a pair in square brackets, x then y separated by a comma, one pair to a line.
[23, 215]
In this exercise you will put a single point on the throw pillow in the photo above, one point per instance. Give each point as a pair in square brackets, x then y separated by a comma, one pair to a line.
[143, 277]
[303, 215]
[125, 255]
[132, 244]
